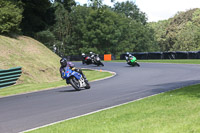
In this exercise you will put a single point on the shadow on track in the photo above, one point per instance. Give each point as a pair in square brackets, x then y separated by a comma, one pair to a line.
[131, 66]
[71, 90]
[67, 91]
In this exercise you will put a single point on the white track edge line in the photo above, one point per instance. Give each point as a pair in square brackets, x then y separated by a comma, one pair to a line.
[93, 112]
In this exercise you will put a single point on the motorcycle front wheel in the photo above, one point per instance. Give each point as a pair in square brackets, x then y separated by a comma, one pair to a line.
[137, 64]
[75, 83]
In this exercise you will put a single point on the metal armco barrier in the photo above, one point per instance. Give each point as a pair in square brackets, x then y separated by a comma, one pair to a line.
[10, 76]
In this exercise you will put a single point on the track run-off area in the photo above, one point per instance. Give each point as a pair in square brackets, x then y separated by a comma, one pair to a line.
[23, 112]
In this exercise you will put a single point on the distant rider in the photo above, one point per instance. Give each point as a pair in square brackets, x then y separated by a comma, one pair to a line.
[127, 56]
[130, 57]
[92, 56]
[83, 58]
[64, 64]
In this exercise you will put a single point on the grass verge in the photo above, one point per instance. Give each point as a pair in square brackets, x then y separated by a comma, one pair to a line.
[24, 88]
[176, 111]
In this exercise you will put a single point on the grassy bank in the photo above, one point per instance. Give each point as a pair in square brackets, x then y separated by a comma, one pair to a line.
[176, 111]
[39, 64]
[30, 87]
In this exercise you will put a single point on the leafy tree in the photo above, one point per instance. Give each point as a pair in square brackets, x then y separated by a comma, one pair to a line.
[97, 28]
[47, 38]
[188, 38]
[34, 16]
[160, 33]
[10, 16]
[68, 4]
[180, 33]
[95, 4]
[131, 10]
[62, 28]
[102, 30]
[79, 28]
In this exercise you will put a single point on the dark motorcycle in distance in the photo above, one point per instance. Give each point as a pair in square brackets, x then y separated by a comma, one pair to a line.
[97, 61]
[88, 60]
[94, 59]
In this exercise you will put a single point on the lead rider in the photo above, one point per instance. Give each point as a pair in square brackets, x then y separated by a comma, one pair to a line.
[64, 64]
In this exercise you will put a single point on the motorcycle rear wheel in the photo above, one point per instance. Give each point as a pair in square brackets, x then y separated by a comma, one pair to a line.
[75, 83]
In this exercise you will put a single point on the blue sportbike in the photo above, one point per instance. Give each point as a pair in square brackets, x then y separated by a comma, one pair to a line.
[75, 79]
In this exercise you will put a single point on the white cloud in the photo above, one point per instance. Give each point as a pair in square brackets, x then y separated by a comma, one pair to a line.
[158, 9]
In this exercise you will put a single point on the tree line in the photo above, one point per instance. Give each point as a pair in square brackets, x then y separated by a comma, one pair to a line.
[72, 29]
[179, 33]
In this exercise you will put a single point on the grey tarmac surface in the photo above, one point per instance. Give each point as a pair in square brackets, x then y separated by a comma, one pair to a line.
[27, 111]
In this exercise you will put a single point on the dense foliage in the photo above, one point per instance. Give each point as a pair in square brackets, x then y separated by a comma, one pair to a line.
[101, 29]
[180, 33]
[34, 16]
[71, 29]
[10, 16]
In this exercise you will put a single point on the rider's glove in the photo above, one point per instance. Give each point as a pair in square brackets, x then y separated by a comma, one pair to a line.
[73, 68]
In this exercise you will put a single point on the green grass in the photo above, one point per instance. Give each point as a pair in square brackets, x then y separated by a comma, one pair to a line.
[24, 88]
[180, 61]
[176, 111]
[39, 64]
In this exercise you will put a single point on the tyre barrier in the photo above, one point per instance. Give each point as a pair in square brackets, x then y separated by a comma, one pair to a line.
[10, 76]
[164, 55]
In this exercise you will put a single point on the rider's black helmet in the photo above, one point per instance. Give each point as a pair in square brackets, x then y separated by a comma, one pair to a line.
[63, 62]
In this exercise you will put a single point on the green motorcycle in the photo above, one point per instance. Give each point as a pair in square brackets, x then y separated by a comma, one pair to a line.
[132, 61]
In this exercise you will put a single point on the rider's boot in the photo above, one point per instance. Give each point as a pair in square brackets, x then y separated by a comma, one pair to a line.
[80, 71]
[84, 78]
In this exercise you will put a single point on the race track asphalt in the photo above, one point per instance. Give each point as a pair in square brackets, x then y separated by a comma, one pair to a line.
[27, 111]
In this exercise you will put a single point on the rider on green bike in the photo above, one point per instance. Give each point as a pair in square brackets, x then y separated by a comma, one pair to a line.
[131, 60]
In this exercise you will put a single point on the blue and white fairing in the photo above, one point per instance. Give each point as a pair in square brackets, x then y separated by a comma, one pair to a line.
[68, 73]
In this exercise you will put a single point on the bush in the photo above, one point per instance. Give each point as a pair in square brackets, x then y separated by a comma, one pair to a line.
[10, 17]
[46, 37]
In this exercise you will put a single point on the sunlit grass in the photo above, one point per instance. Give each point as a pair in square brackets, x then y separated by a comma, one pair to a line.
[176, 111]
